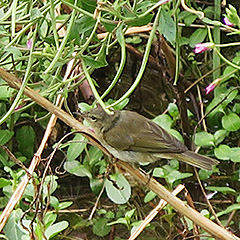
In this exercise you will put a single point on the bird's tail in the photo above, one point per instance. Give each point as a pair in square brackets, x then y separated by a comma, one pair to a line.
[195, 159]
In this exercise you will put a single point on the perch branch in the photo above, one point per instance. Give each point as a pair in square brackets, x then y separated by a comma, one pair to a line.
[211, 227]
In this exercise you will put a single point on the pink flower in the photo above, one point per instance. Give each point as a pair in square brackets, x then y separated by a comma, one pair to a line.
[202, 47]
[18, 107]
[227, 22]
[212, 85]
[29, 43]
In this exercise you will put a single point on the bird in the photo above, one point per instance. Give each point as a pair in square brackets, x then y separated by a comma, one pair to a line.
[133, 138]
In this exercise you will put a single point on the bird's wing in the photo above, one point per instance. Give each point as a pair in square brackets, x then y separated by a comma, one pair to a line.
[150, 138]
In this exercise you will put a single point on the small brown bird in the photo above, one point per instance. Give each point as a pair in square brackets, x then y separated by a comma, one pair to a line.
[133, 138]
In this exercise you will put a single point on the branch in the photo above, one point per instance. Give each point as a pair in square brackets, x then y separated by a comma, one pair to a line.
[211, 227]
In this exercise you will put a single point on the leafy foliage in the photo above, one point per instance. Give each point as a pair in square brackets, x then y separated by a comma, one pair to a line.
[32, 48]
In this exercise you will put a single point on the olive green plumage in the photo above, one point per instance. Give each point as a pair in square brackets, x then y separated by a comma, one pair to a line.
[133, 138]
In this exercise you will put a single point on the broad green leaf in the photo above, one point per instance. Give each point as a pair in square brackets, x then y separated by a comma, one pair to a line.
[3, 202]
[220, 135]
[49, 218]
[94, 63]
[64, 205]
[223, 152]
[209, 21]
[141, 21]
[229, 209]
[197, 37]
[129, 214]
[176, 134]
[4, 182]
[204, 139]
[187, 17]
[164, 121]
[173, 110]
[43, 29]
[149, 196]
[54, 202]
[120, 35]
[5, 92]
[76, 147]
[204, 174]
[5, 136]
[50, 185]
[236, 108]
[224, 190]
[119, 221]
[82, 26]
[74, 167]
[56, 228]
[235, 154]
[221, 92]
[101, 227]
[94, 156]
[13, 229]
[167, 26]
[158, 172]
[231, 122]
[118, 190]
[176, 175]
[26, 140]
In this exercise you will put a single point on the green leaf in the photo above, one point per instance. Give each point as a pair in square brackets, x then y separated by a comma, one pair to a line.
[75, 148]
[167, 26]
[224, 190]
[5, 92]
[64, 205]
[49, 219]
[120, 35]
[220, 93]
[94, 156]
[101, 227]
[120, 191]
[119, 221]
[140, 21]
[204, 139]
[56, 228]
[129, 214]
[158, 172]
[26, 140]
[231, 122]
[74, 167]
[4, 182]
[204, 174]
[149, 196]
[197, 37]
[43, 29]
[5, 136]
[54, 202]
[13, 229]
[176, 175]
[94, 63]
[50, 185]
[209, 21]
[220, 135]
[235, 154]
[173, 110]
[229, 210]
[222, 152]
[83, 25]
[164, 121]
[236, 108]
[187, 17]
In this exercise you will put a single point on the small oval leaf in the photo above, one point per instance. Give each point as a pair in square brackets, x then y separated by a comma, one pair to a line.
[120, 193]
[231, 122]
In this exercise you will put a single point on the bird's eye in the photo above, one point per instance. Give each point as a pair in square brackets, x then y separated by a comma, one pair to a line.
[93, 118]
